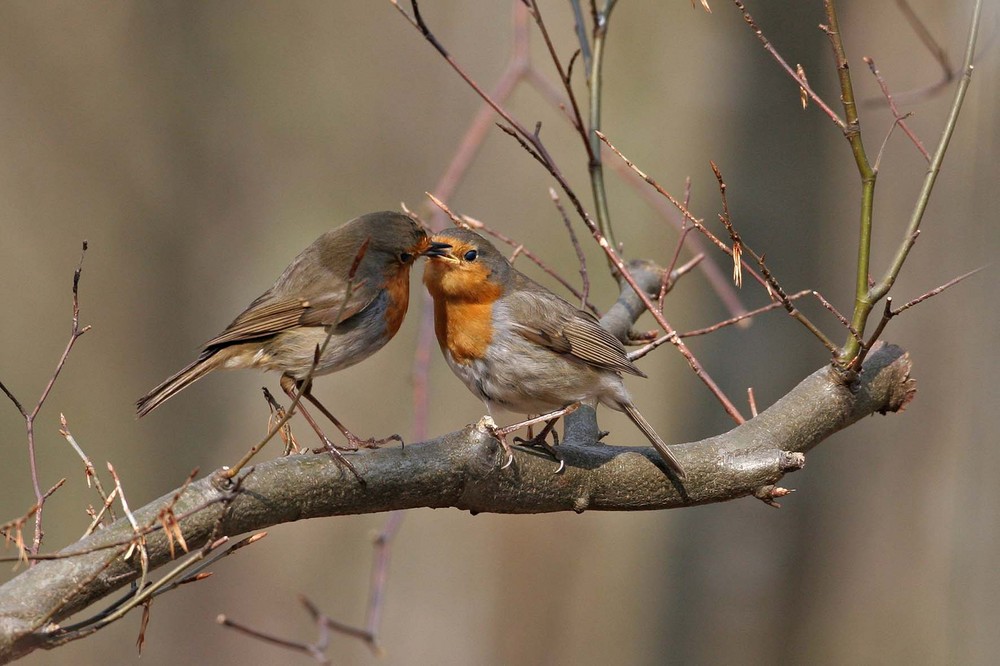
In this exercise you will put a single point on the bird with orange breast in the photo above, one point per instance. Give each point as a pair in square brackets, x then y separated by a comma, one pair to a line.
[518, 346]
[351, 285]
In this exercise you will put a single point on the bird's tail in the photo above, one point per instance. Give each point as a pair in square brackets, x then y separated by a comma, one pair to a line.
[176, 383]
[653, 438]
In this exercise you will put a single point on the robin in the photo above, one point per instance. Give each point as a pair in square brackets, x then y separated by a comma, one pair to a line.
[352, 284]
[518, 346]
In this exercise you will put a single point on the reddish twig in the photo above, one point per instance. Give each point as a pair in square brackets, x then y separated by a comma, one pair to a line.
[899, 117]
[748, 315]
[380, 576]
[752, 402]
[801, 82]
[836, 313]
[585, 290]
[888, 313]
[518, 67]
[774, 287]
[681, 208]
[720, 284]
[532, 143]
[13, 530]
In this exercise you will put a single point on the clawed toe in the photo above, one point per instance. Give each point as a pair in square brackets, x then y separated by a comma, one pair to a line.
[341, 457]
[371, 442]
[540, 443]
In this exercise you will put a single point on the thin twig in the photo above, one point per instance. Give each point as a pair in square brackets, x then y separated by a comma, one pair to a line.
[532, 143]
[585, 290]
[13, 530]
[306, 383]
[747, 315]
[29, 418]
[888, 313]
[143, 593]
[895, 111]
[803, 84]
[140, 539]
[871, 295]
[380, 576]
[836, 313]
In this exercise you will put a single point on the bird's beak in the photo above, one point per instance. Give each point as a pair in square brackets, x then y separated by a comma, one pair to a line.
[437, 250]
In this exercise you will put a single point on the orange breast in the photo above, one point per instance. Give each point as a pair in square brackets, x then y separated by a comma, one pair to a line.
[399, 299]
[464, 329]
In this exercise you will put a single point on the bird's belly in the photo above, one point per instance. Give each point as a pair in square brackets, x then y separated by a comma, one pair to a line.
[293, 352]
[523, 384]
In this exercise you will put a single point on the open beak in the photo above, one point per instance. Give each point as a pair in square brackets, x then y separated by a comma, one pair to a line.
[439, 250]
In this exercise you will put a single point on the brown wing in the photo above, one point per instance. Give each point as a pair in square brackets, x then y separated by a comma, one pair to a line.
[551, 322]
[266, 317]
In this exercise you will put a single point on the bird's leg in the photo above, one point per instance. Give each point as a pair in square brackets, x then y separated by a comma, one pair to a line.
[539, 441]
[355, 441]
[291, 387]
[549, 418]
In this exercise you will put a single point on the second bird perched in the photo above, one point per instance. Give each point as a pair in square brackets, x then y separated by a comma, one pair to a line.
[317, 295]
[518, 346]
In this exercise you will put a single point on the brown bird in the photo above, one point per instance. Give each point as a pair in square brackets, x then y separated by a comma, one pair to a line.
[317, 295]
[517, 345]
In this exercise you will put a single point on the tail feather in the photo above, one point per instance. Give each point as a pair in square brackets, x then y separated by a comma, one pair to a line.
[653, 438]
[175, 383]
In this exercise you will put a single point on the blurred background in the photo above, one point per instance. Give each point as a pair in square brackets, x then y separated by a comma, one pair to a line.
[199, 146]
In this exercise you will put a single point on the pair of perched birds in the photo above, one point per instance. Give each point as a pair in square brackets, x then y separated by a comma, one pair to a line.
[515, 344]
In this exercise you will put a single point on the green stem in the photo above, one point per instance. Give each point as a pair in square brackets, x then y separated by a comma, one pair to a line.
[596, 165]
[868, 175]
[867, 301]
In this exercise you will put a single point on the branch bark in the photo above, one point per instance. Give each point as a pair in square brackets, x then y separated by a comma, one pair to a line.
[462, 470]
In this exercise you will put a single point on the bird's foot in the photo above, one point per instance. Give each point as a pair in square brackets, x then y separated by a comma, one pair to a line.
[370, 443]
[487, 424]
[339, 456]
[539, 441]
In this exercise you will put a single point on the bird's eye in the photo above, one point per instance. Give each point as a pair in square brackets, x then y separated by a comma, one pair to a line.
[471, 255]
[405, 257]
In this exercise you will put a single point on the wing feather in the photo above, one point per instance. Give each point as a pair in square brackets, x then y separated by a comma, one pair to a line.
[266, 317]
[551, 322]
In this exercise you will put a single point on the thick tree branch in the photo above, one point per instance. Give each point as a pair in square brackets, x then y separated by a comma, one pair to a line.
[462, 470]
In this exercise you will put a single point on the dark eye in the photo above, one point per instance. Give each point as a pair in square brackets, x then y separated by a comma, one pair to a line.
[471, 255]
[405, 257]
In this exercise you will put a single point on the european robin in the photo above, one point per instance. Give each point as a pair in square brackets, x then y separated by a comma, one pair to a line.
[518, 346]
[318, 295]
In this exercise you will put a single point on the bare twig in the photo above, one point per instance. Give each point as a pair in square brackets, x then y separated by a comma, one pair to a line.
[900, 118]
[13, 530]
[747, 315]
[185, 572]
[802, 83]
[29, 418]
[836, 313]
[89, 469]
[278, 412]
[585, 290]
[306, 383]
[868, 296]
[888, 313]
[380, 576]
[664, 207]
[140, 537]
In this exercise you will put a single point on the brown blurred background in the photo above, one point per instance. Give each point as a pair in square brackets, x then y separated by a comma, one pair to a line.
[199, 146]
